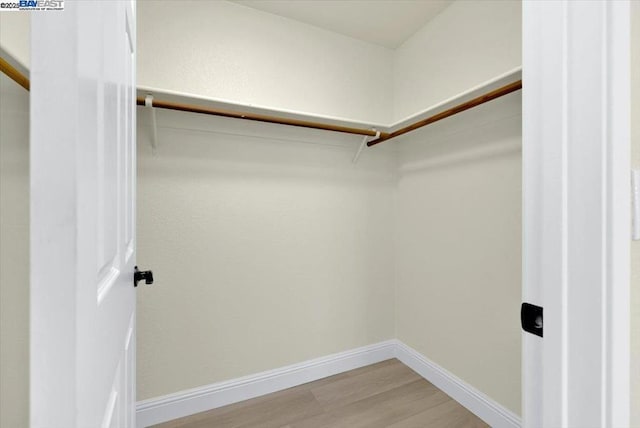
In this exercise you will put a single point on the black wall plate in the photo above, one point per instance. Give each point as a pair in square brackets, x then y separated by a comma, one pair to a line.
[531, 318]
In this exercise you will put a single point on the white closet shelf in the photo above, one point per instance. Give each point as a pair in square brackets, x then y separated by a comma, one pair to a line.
[490, 85]
[219, 107]
[499, 86]
[489, 90]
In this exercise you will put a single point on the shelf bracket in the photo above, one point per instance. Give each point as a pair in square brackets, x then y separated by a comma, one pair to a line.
[148, 103]
[365, 140]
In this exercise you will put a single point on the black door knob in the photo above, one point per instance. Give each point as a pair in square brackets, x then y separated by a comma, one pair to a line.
[140, 275]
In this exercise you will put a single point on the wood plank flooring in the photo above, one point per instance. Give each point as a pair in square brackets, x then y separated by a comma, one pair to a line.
[387, 394]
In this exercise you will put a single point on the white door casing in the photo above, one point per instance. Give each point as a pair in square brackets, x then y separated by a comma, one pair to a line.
[83, 216]
[576, 212]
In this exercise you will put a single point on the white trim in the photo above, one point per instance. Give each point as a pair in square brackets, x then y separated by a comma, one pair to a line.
[475, 401]
[184, 403]
[576, 212]
[189, 402]
[543, 193]
[616, 319]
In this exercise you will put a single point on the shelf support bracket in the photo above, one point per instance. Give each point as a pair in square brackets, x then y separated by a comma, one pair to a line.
[148, 103]
[365, 140]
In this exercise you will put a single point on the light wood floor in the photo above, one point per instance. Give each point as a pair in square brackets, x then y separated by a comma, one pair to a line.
[387, 394]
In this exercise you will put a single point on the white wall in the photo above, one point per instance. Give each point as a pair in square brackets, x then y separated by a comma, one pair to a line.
[467, 44]
[458, 249]
[268, 248]
[224, 50]
[15, 36]
[14, 254]
[635, 245]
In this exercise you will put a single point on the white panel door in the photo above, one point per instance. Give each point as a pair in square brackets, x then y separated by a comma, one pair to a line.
[576, 212]
[83, 246]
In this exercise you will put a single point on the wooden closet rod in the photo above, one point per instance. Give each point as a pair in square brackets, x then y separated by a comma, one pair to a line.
[14, 74]
[258, 117]
[23, 81]
[496, 93]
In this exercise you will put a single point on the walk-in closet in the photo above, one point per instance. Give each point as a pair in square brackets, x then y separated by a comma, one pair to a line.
[324, 202]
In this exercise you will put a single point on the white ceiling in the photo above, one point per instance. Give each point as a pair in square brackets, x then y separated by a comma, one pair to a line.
[382, 22]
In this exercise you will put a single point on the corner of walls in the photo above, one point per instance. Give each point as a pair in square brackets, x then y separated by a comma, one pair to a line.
[465, 45]
[396, 242]
[188, 402]
[404, 91]
[479, 403]
[459, 244]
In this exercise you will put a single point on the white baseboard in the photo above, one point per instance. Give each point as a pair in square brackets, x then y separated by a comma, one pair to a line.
[184, 403]
[478, 403]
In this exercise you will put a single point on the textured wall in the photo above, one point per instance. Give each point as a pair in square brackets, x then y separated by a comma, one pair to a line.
[268, 247]
[14, 254]
[224, 50]
[15, 35]
[466, 44]
[458, 251]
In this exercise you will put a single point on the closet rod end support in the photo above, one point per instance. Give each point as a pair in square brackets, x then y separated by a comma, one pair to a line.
[148, 103]
[365, 140]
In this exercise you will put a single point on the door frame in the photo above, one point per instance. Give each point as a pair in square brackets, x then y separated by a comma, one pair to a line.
[576, 211]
